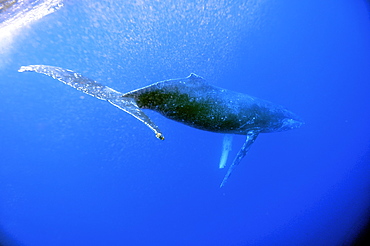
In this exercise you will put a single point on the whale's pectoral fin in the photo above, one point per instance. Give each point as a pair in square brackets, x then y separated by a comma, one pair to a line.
[95, 89]
[226, 148]
[129, 106]
[251, 137]
[74, 80]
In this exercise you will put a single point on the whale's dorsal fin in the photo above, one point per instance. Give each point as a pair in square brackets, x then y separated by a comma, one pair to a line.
[192, 81]
[194, 76]
[196, 79]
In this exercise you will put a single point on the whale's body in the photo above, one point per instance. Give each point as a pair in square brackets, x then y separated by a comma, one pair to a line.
[191, 101]
[194, 102]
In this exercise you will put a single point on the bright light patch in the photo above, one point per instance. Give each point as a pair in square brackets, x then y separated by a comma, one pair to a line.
[16, 14]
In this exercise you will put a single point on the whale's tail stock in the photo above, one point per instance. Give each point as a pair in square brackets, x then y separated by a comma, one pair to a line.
[97, 90]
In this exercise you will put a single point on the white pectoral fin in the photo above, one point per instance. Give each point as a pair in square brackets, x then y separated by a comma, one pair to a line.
[74, 80]
[251, 137]
[95, 89]
[129, 106]
[226, 148]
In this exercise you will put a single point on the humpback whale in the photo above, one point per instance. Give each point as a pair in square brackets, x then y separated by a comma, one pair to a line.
[191, 101]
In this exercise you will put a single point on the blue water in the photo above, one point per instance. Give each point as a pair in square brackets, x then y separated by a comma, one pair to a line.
[75, 170]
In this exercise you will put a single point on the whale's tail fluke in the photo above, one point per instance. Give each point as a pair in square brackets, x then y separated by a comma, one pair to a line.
[95, 89]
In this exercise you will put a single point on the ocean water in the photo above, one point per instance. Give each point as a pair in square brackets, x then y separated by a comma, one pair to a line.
[75, 170]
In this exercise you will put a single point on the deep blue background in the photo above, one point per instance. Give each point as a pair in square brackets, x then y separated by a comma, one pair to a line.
[77, 171]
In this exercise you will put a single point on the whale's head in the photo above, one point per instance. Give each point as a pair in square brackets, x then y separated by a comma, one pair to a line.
[276, 118]
[287, 120]
[291, 123]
